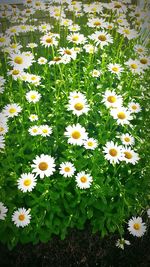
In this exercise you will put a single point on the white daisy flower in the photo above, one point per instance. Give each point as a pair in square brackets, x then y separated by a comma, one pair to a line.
[68, 52]
[113, 152]
[48, 40]
[33, 96]
[42, 61]
[134, 107]
[59, 60]
[34, 79]
[127, 139]
[20, 61]
[34, 130]
[33, 117]
[45, 130]
[76, 95]
[128, 33]
[32, 45]
[83, 180]
[78, 106]
[12, 110]
[89, 48]
[136, 227]
[121, 242]
[134, 66]
[21, 217]
[130, 156]
[111, 99]
[95, 73]
[3, 211]
[74, 28]
[4, 40]
[67, 169]
[144, 62]
[3, 127]
[44, 165]
[96, 23]
[44, 27]
[26, 182]
[76, 38]
[115, 68]
[140, 49]
[101, 38]
[122, 115]
[76, 134]
[90, 143]
[15, 73]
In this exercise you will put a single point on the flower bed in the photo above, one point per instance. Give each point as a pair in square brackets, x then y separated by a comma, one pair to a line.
[74, 120]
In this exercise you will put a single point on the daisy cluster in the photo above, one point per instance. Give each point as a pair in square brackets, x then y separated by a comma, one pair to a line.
[73, 117]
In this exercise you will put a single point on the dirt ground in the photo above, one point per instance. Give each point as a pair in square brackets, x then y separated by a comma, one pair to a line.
[80, 248]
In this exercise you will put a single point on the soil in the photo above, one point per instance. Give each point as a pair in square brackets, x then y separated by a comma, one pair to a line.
[80, 248]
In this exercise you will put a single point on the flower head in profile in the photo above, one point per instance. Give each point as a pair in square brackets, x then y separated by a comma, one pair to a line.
[136, 227]
[3, 211]
[121, 242]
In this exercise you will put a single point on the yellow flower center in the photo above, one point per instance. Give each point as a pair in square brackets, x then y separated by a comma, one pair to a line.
[136, 226]
[115, 69]
[83, 179]
[113, 152]
[111, 99]
[33, 78]
[143, 60]
[2, 39]
[117, 5]
[29, 1]
[78, 106]
[102, 38]
[45, 131]
[44, 27]
[126, 31]
[13, 30]
[127, 139]
[34, 130]
[75, 38]
[12, 110]
[49, 40]
[23, 27]
[134, 107]
[76, 135]
[15, 72]
[140, 50]
[90, 143]
[56, 59]
[128, 155]
[18, 60]
[67, 169]
[121, 115]
[1, 129]
[13, 46]
[21, 217]
[134, 66]
[109, 27]
[43, 166]
[68, 52]
[97, 23]
[27, 182]
[33, 97]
